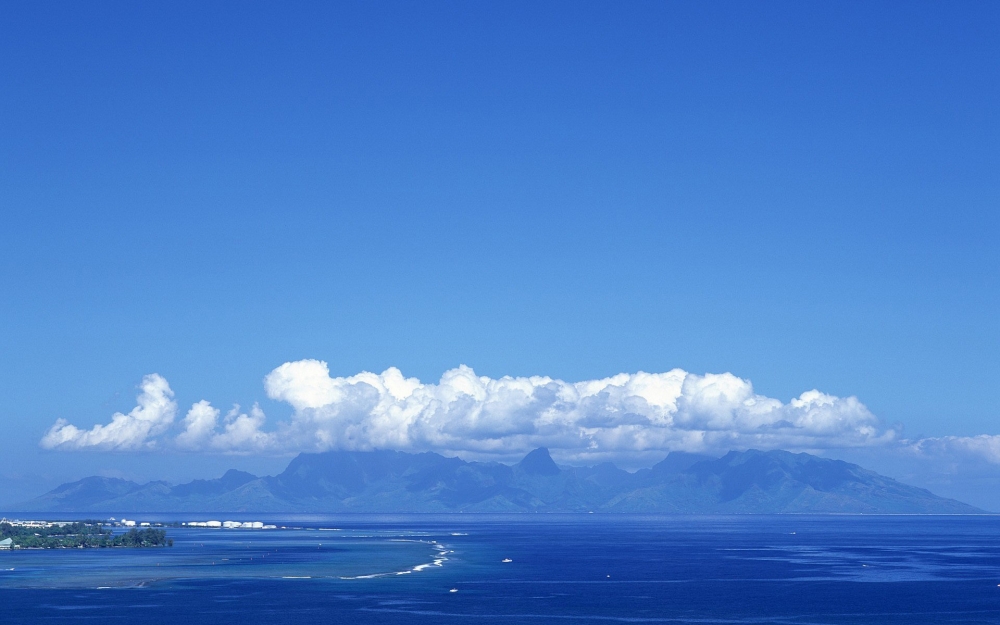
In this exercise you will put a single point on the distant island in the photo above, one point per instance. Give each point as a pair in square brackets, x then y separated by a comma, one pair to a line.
[76, 535]
[752, 481]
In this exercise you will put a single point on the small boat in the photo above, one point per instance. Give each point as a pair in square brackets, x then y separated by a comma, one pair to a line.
[505, 560]
[453, 590]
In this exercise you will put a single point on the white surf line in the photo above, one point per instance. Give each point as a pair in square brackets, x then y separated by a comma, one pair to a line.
[438, 561]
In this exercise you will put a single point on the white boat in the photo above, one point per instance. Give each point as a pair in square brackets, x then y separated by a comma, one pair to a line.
[506, 560]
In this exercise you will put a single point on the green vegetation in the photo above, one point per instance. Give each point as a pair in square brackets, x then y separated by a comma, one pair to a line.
[81, 535]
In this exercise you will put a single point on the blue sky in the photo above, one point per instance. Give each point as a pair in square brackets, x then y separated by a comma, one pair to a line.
[802, 195]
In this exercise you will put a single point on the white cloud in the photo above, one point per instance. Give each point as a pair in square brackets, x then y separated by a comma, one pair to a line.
[240, 432]
[199, 426]
[627, 415]
[152, 416]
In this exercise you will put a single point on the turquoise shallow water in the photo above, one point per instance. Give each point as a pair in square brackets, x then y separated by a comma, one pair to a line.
[214, 554]
[563, 568]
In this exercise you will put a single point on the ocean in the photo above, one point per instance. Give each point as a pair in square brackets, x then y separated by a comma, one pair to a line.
[528, 568]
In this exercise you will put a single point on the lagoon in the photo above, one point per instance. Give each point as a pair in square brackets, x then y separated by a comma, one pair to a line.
[529, 568]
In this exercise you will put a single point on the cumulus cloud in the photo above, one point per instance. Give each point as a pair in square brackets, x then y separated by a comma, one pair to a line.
[152, 416]
[199, 425]
[627, 417]
[241, 432]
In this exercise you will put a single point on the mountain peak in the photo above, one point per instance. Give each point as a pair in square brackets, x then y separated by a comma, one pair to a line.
[678, 461]
[234, 478]
[538, 462]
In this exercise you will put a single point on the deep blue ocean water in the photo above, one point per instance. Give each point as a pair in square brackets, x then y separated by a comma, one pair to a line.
[362, 569]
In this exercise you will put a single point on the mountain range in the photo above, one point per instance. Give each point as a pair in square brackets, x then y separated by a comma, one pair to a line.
[393, 481]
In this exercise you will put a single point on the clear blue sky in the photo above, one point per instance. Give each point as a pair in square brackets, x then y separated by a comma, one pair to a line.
[803, 194]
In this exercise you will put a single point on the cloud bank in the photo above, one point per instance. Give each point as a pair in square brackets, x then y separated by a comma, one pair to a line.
[985, 447]
[626, 416]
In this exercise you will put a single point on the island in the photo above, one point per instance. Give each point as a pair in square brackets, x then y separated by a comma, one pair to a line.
[385, 481]
[76, 535]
